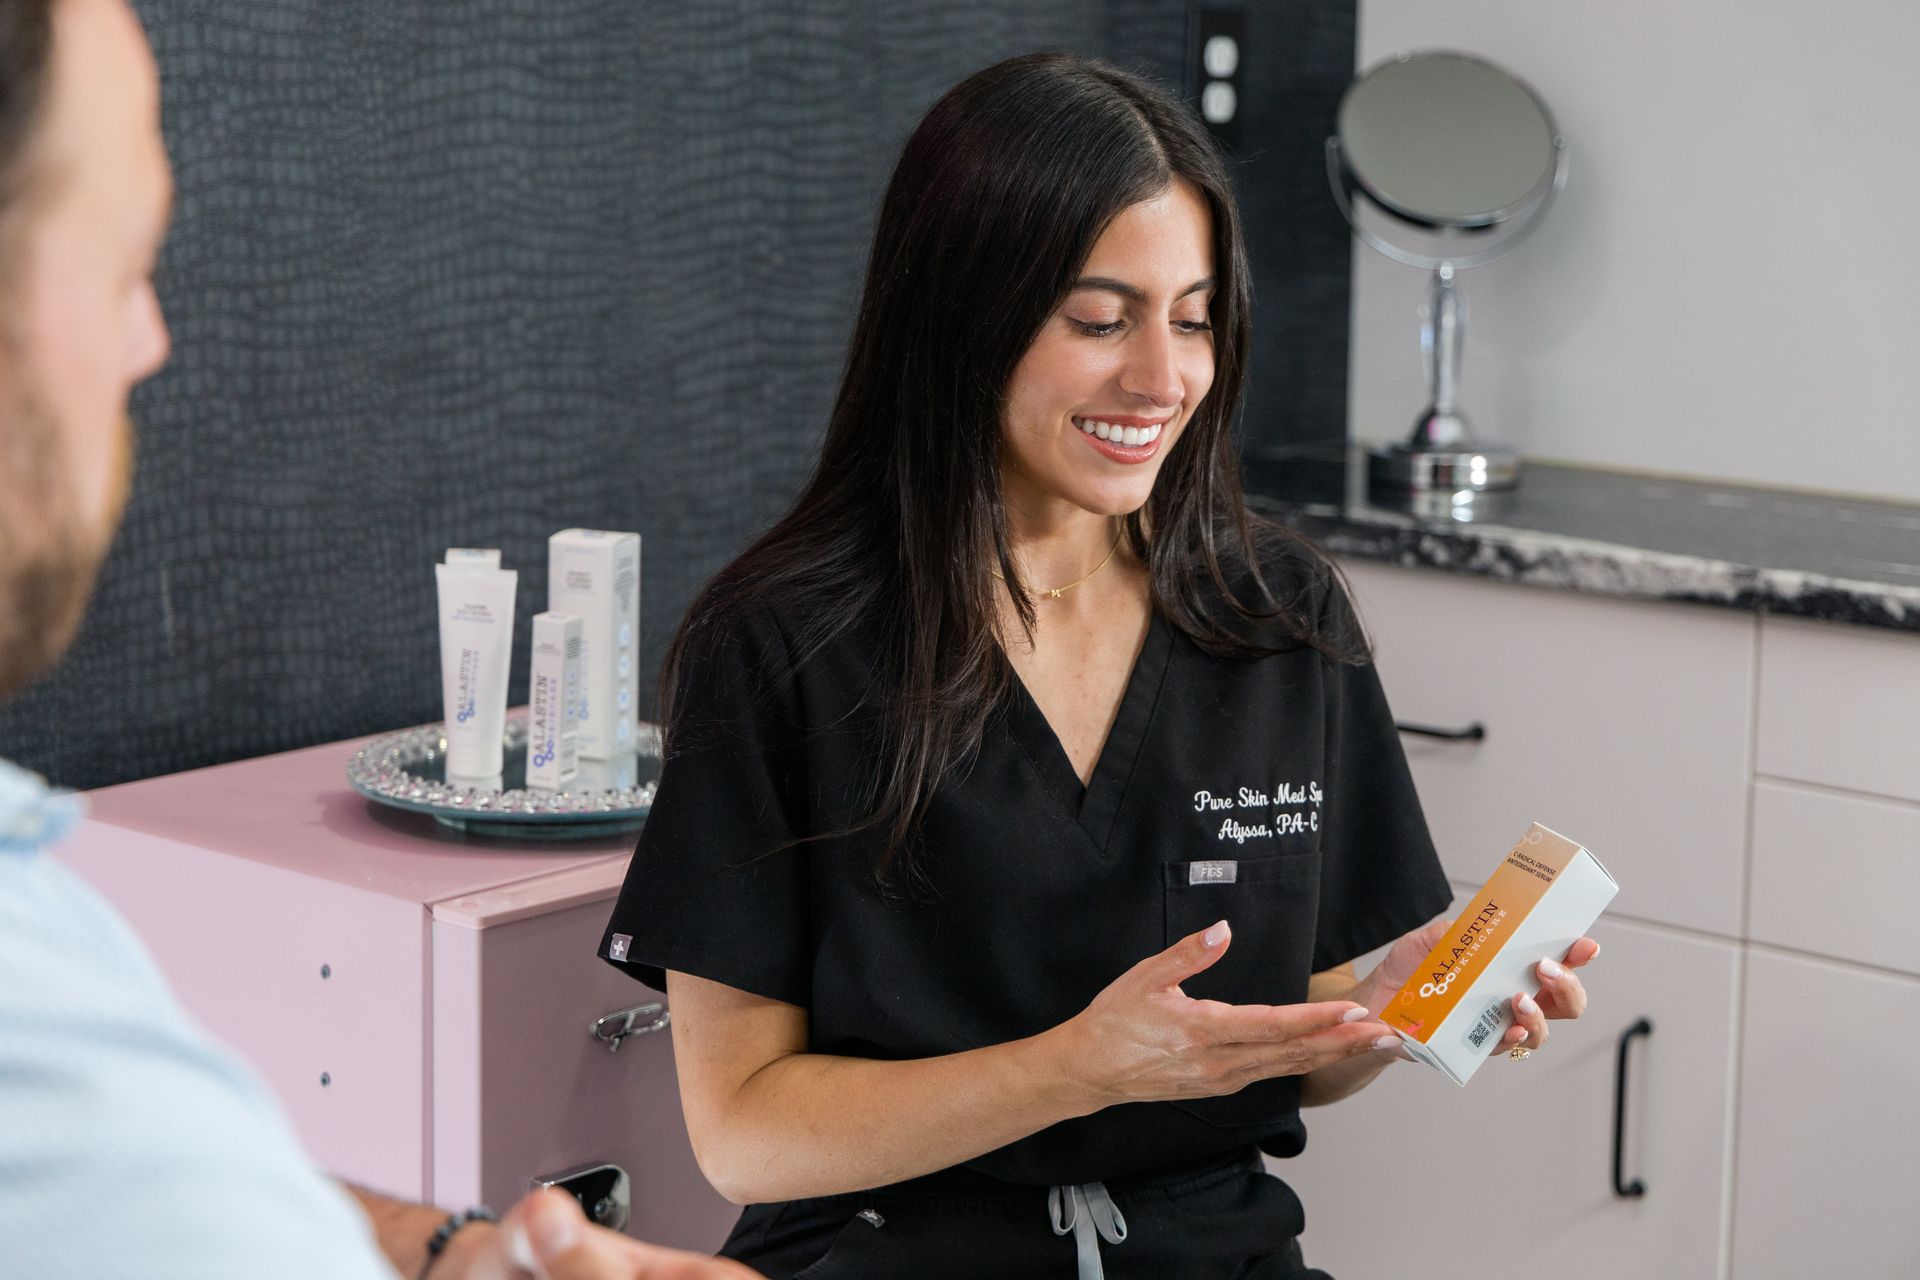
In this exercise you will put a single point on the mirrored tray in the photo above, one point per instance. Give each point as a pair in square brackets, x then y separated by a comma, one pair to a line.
[408, 770]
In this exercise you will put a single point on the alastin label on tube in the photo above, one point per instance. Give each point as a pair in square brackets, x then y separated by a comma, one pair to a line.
[552, 727]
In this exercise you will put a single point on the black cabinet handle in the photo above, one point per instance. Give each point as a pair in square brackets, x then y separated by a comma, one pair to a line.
[1472, 733]
[1636, 1188]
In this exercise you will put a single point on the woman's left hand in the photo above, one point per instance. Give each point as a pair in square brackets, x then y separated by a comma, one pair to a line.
[1561, 993]
[1561, 996]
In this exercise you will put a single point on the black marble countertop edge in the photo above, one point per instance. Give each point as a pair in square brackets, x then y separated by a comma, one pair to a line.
[1589, 566]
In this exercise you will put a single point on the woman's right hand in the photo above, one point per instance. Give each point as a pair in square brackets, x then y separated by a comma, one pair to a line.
[1144, 1040]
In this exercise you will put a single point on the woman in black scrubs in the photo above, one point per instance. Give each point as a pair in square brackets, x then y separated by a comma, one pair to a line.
[1027, 799]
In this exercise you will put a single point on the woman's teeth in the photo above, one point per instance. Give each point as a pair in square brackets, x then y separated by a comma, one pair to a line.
[1119, 435]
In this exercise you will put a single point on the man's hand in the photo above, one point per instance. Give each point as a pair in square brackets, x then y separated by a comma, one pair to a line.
[546, 1237]
[550, 1238]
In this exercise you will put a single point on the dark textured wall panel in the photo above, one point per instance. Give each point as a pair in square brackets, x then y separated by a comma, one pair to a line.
[1296, 62]
[466, 273]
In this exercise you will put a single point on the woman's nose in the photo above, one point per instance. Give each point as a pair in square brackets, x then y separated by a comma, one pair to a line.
[1151, 371]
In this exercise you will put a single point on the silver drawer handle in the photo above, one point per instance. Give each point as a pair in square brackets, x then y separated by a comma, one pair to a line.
[604, 1191]
[615, 1027]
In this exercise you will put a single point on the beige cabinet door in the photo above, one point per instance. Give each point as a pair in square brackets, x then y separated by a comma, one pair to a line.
[1625, 726]
[1837, 707]
[1827, 1171]
[1511, 1177]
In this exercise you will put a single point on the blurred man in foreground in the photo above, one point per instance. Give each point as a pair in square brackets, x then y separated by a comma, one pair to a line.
[129, 1143]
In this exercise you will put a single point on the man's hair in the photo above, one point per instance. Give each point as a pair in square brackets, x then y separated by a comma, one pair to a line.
[26, 56]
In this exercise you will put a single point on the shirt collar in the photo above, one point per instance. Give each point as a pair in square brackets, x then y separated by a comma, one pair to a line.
[32, 814]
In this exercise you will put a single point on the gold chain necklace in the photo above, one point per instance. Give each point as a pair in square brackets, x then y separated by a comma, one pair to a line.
[1054, 593]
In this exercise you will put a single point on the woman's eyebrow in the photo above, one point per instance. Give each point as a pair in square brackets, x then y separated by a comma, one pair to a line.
[1134, 292]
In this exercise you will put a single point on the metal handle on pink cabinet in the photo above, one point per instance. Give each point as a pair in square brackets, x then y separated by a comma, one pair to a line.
[615, 1027]
[604, 1191]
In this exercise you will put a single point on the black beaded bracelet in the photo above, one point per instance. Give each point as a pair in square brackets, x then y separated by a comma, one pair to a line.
[444, 1232]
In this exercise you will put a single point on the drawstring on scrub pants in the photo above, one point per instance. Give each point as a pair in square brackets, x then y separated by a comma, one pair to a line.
[1083, 1210]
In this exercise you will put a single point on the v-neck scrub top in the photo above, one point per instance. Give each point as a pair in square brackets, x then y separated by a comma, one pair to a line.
[1271, 792]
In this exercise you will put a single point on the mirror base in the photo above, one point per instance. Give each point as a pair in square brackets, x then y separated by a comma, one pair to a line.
[1459, 466]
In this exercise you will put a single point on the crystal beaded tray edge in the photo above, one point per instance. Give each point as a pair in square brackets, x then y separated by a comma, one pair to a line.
[407, 770]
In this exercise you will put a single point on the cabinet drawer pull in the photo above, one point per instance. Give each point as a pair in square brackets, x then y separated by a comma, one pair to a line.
[604, 1191]
[615, 1027]
[1636, 1188]
[1472, 733]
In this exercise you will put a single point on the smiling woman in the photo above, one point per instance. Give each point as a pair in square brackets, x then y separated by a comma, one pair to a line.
[926, 878]
[1123, 363]
[1058, 239]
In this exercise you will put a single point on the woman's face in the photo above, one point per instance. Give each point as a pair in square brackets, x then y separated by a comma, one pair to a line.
[1117, 372]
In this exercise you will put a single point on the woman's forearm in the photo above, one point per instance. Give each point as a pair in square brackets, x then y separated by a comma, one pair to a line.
[1347, 1077]
[1341, 1079]
[813, 1124]
[771, 1121]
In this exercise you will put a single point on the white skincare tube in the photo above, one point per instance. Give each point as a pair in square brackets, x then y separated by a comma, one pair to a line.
[596, 574]
[473, 557]
[476, 654]
[615, 773]
[553, 695]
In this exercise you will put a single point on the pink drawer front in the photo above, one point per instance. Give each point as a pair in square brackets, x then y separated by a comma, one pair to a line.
[320, 986]
[522, 1088]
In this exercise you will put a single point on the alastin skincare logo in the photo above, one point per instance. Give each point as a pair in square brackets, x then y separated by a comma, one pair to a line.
[467, 679]
[543, 703]
[1465, 947]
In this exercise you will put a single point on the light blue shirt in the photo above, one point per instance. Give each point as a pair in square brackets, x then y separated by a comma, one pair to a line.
[130, 1143]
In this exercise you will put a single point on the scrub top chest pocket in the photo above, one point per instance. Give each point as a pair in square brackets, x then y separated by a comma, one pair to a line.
[1271, 903]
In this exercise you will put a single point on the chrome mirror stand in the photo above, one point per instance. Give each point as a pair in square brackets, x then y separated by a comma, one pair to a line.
[1454, 200]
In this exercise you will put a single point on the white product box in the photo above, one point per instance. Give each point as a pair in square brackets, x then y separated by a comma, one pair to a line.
[596, 574]
[1540, 901]
[553, 695]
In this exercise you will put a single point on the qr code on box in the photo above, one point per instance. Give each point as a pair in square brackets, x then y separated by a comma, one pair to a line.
[1491, 1022]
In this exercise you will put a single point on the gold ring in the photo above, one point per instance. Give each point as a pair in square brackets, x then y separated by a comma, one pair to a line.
[1519, 1053]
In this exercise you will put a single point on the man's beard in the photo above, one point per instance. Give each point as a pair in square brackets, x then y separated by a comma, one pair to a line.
[49, 556]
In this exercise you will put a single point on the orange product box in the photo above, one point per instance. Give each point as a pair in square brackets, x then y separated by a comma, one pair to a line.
[1540, 901]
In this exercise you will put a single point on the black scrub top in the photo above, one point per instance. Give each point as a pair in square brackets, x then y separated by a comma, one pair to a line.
[1038, 892]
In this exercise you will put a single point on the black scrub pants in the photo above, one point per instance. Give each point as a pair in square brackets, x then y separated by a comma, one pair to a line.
[1227, 1220]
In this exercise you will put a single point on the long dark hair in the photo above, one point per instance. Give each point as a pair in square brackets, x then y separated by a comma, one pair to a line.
[997, 200]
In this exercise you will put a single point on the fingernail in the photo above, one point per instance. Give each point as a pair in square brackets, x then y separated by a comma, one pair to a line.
[1528, 1006]
[519, 1251]
[1596, 950]
[1386, 1043]
[1354, 1014]
[1216, 935]
[1523, 1036]
[1551, 969]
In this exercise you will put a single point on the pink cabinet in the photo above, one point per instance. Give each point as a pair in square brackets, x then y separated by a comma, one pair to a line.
[422, 1003]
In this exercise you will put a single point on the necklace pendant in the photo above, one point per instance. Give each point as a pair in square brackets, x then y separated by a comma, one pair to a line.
[1053, 592]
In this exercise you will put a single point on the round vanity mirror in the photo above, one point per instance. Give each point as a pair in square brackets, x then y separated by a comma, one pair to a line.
[1443, 161]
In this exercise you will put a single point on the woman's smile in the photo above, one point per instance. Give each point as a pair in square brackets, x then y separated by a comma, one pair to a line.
[1123, 438]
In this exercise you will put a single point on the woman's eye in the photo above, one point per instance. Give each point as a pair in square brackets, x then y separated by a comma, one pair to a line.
[1107, 328]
